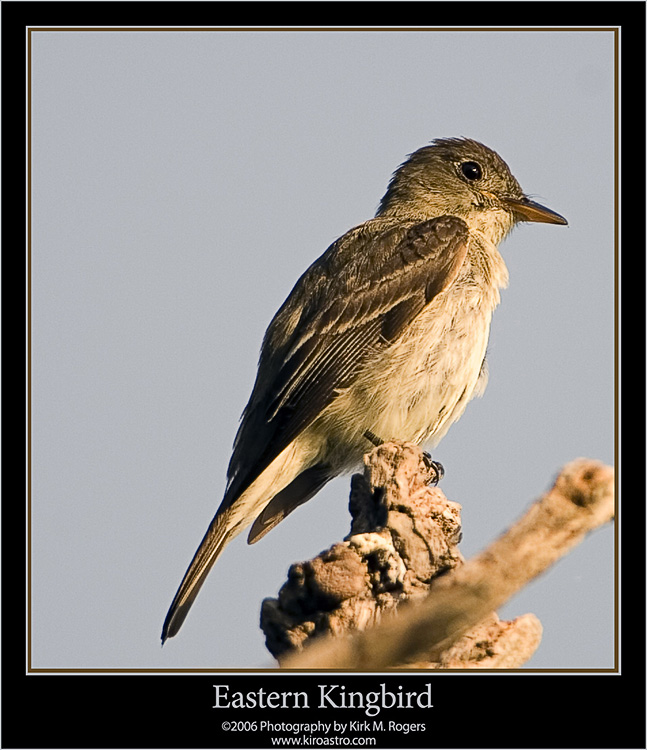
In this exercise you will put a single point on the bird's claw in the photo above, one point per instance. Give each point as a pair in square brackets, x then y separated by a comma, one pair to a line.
[373, 438]
[435, 468]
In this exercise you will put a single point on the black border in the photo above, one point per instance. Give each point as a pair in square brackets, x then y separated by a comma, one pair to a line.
[173, 711]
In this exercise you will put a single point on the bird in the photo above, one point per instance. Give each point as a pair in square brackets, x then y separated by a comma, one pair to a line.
[385, 334]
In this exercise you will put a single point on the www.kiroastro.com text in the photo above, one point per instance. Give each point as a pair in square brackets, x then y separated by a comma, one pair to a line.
[329, 696]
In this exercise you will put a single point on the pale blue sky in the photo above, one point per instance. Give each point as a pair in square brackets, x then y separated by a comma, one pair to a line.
[182, 182]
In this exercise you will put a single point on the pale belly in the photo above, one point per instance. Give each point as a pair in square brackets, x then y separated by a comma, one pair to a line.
[415, 389]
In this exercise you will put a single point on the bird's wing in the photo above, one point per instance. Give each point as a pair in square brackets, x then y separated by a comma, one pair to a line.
[365, 290]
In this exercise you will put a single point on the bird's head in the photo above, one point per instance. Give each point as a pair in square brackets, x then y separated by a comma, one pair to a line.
[462, 177]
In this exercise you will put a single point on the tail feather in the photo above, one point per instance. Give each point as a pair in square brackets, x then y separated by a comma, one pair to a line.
[214, 541]
[238, 510]
[299, 491]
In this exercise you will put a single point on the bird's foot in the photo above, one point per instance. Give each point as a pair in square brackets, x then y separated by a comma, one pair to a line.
[373, 438]
[436, 469]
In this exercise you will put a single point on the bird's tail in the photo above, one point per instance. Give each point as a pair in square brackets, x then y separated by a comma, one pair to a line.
[281, 481]
[218, 534]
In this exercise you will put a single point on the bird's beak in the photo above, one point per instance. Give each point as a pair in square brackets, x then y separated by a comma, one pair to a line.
[528, 210]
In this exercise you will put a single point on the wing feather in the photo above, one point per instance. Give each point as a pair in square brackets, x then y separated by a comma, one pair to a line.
[357, 299]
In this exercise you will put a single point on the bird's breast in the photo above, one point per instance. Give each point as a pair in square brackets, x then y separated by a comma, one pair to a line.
[415, 388]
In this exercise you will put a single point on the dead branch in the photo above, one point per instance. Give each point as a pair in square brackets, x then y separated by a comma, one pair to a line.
[402, 555]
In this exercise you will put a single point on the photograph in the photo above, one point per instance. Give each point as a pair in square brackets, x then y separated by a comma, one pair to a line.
[322, 368]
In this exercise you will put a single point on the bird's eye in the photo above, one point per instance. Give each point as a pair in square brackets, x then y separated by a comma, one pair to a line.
[471, 170]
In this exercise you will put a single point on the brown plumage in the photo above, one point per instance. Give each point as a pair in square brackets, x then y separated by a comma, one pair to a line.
[386, 332]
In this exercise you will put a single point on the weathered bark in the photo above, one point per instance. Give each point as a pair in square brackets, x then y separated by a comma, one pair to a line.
[402, 554]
